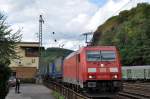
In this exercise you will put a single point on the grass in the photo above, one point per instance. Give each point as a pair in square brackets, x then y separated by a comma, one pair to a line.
[57, 95]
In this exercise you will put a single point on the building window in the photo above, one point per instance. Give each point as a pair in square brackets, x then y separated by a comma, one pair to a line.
[14, 73]
[31, 52]
[33, 60]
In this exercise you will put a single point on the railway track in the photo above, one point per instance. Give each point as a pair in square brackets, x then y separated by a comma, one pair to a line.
[138, 85]
[131, 95]
[135, 91]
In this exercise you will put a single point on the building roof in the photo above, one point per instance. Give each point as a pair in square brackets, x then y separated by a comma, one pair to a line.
[28, 42]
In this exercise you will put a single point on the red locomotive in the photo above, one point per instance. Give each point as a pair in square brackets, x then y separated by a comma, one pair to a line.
[95, 69]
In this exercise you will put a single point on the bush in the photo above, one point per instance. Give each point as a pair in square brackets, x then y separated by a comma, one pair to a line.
[5, 73]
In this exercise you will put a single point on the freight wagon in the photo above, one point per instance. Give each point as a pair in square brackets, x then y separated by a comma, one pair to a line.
[53, 69]
[56, 68]
[136, 72]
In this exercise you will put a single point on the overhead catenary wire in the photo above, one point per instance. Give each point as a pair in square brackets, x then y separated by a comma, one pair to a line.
[126, 4]
[76, 42]
[130, 4]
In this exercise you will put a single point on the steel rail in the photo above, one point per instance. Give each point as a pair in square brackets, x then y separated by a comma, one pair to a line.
[133, 95]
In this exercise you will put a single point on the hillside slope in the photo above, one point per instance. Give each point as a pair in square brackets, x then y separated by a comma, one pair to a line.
[130, 32]
[51, 54]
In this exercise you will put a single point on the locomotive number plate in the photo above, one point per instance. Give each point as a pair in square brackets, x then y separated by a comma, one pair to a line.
[102, 69]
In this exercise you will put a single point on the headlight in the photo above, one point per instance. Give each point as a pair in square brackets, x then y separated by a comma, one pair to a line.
[113, 69]
[115, 76]
[102, 65]
[10, 80]
[91, 76]
[91, 70]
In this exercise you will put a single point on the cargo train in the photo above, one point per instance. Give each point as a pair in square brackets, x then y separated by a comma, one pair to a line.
[136, 73]
[96, 70]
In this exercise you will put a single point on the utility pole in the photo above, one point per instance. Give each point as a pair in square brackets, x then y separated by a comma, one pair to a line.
[86, 37]
[41, 21]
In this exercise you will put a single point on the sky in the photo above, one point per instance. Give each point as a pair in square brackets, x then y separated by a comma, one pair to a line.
[69, 19]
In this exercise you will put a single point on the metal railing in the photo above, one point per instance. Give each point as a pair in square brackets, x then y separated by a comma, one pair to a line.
[68, 93]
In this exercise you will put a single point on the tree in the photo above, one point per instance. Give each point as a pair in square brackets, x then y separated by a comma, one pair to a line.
[7, 52]
[5, 73]
[130, 32]
[7, 41]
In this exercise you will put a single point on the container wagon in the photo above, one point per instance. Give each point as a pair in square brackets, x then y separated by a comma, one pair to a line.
[56, 68]
[136, 72]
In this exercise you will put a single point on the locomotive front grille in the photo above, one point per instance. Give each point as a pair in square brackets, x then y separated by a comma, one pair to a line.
[91, 84]
[103, 86]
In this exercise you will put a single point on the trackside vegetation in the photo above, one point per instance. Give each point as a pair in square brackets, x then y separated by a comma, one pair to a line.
[58, 95]
[7, 52]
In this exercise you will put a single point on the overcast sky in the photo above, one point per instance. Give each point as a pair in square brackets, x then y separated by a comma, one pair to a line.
[67, 18]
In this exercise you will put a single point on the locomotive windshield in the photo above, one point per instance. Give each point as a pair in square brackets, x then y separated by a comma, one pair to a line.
[93, 56]
[108, 55]
[101, 55]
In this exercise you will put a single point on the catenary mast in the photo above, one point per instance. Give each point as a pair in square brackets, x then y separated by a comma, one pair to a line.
[41, 21]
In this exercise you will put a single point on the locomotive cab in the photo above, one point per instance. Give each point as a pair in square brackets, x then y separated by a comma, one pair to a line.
[103, 70]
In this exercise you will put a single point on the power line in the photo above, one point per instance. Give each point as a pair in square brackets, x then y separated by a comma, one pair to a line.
[122, 7]
[64, 42]
[132, 2]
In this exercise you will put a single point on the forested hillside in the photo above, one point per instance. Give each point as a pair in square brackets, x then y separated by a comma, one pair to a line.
[51, 54]
[130, 32]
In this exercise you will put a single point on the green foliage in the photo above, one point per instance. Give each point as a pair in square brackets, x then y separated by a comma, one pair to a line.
[5, 73]
[7, 41]
[7, 52]
[58, 95]
[50, 54]
[4, 76]
[130, 32]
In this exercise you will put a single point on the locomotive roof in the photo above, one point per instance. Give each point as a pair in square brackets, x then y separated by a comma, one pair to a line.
[101, 47]
[93, 47]
[72, 54]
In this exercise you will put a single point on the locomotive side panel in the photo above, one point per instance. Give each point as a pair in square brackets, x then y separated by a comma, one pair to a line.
[70, 69]
[82, 72]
